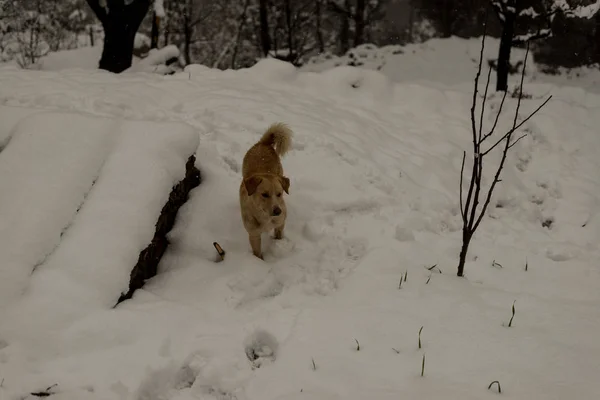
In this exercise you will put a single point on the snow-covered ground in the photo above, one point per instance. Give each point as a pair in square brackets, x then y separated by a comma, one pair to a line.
[90, 157]
[444, 63]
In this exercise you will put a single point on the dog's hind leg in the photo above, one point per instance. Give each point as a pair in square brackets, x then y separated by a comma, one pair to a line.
[255, 242]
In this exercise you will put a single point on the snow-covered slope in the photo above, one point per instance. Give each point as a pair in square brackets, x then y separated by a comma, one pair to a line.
[443, 63]
[374, 196]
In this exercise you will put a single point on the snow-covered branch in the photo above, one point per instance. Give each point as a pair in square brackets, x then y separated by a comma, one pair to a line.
[541, 34]
[586, 12]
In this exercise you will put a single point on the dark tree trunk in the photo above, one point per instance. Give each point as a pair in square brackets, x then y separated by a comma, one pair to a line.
[239, 33]
[463, 252]
[345, 28]
[506, 41]
[187, 43]
[320, 41]
[597, 36]
[290, 31]
[265, 37]
[345, 35]
[155, 31]
[92, 41]
[120, 24]
[447, 15]
[411, 20]
[359, 23]
[167, 27]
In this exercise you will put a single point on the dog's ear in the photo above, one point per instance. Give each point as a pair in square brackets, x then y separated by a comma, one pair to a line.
[252, 183]
[285, 182]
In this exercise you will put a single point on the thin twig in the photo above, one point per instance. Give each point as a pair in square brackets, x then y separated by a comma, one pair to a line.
[517, 127]
[521, 87]
[476, 87]
[487, 85]
[491, 132]
[462, 169]
[510, 146]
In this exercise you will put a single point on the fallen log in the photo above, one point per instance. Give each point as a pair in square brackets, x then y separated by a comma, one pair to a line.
[149, 258]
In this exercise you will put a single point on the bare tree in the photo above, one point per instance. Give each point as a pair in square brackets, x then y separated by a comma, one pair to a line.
[185, 18]
[361, 13]
[155, 30]
[238, 34]
[471, 215]
[120, 20]
[35, 30]
[534, 18]
[265, 34]
[319, 32]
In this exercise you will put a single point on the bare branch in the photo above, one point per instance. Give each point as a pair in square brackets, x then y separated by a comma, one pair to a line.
[478, 167]
[98, 10]
[515, 142]
[491, 132]
[517, 127]
[474, 185]
[540, 34]
[336, 8]
[501, 9]
[487, 85]
[520, 90]
[462, 169]
[508, 143]
[476, 87]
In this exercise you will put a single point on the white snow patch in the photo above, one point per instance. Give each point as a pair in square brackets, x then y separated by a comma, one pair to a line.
[159, 8]
[85, 257]
[48, 168]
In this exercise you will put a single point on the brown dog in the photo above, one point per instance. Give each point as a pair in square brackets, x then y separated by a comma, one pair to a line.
[263, 184]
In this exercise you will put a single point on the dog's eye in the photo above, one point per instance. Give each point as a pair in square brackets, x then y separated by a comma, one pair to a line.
[278, 194]
[265, 195]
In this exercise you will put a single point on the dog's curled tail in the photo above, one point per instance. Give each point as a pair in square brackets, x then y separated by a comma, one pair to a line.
[278, 135]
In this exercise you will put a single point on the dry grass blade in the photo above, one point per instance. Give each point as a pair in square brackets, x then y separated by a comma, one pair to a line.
[498, 384]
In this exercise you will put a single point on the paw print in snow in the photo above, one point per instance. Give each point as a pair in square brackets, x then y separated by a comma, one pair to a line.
[261, 347]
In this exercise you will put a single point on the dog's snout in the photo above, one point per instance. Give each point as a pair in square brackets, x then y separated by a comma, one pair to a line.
[277, 211]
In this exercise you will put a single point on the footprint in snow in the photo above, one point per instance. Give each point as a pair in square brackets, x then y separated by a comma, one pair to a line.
[190, 377]
[166, 382]
[232, 164]
[261, 347]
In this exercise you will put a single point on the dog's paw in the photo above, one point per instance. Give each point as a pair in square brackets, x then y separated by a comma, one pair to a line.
[282, 247]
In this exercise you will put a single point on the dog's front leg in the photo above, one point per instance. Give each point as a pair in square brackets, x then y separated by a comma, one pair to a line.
[255, 242]
[279, 232]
